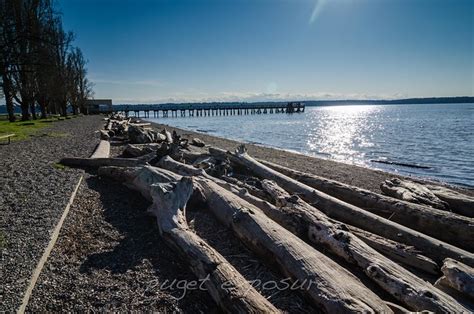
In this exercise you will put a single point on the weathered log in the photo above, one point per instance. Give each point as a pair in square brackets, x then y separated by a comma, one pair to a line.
[104, 135]
[225, 284]
[102, 150]
[167, 136]
[137, 150]
[443, 225]
[458, 202]
[411, 192]
[457, 276]
[397, 251]
[332, 287]
[100, 162]
[347, 213]
[316, 228]
[139, 178]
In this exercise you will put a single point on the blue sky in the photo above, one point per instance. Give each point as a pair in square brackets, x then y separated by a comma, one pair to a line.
[250, 50]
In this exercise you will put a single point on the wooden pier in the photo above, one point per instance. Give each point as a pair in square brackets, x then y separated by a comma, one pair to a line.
[207, 110]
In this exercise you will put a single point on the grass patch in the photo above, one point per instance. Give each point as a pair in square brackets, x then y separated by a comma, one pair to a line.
[60, 166]
[24, 129]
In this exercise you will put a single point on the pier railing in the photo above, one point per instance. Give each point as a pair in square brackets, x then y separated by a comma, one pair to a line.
[202, 110]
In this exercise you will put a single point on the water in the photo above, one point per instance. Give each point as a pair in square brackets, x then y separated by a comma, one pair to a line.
[437, 136]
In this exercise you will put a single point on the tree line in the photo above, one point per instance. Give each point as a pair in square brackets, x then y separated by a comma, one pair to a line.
[39, 66]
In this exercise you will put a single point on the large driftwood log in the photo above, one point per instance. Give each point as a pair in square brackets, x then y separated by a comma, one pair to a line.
[392, 249]
[443, 225]
[458, 276]
[102, 150]
[332, 287]
[432, 195]
[225, 284]
[399, 252]
[100, 162]
[458, 202]
[347, 213]
[139, 178]
[412, 192]
[316, 228]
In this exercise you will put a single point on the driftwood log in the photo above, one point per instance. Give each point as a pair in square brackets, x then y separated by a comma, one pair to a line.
[335, 286]
[169, 202]
[238, 296]
[412, 192]
[396, 251]
[313, 226]
[332, 287]
[102, 150]
[348, 213]
[457, 276]
[432, 195]
[100, 162]
[446, 226]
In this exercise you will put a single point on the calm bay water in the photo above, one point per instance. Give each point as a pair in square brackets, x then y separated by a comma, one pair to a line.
[438, 136]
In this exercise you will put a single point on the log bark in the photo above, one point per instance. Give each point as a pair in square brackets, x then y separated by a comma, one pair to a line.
[443, 225]
[100, 162]
[332, 287]
[412, 192]
[139, 178]
[169, 200]
[347, 213]
[397, 251]
[102, 150]
[137, 150]
[238, 296]
[458, 276]
[458, 202]
[316, 228]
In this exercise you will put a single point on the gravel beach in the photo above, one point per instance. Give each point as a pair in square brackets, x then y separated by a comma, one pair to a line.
[33, 194]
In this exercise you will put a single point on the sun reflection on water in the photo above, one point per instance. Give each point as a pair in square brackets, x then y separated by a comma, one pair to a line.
[340, 131]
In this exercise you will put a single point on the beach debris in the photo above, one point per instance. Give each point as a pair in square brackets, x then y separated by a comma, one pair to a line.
[441, 224]
[102, 150]
[411, 192]
[197, 142]
[427, 194]
[310, 224]
[457, 276]
[348, 213]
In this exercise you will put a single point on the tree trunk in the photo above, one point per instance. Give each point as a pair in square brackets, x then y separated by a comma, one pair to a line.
[443, 225]
[457, 276]
[238, 296]
[313, 226]
[344, 212]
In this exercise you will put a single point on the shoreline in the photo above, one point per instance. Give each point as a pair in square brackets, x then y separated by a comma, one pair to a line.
[361, 176]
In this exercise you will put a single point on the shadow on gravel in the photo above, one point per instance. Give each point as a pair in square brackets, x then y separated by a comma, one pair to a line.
[125, 211]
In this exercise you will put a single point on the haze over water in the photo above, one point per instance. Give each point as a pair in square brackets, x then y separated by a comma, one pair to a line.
[438, 136]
